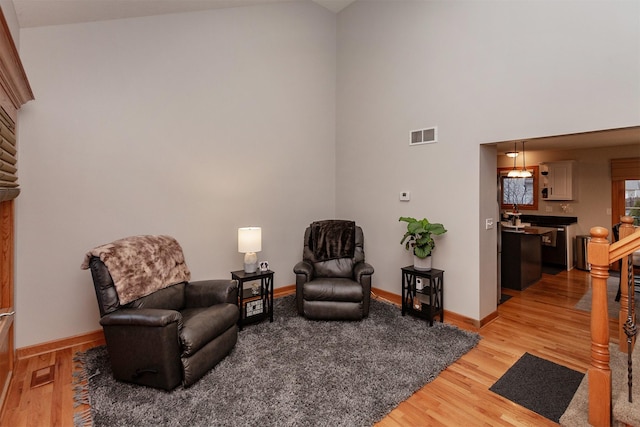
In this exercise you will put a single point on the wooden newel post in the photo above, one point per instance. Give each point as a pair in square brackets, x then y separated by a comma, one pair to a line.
[599, 371]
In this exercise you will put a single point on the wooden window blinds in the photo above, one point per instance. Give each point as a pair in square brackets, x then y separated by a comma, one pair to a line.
[625, 169]
[8, 170]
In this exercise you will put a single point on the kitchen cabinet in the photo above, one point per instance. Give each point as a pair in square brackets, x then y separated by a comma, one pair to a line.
[558, 180]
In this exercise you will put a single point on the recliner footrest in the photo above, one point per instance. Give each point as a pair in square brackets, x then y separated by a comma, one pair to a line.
[333, 289]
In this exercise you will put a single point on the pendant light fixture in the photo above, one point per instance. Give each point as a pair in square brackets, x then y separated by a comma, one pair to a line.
[514, 173]
[524, 173]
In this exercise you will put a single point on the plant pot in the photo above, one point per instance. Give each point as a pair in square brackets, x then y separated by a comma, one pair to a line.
[422, 264]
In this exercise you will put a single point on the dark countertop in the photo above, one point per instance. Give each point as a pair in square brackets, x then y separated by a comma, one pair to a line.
[539, 231]
[549, 220]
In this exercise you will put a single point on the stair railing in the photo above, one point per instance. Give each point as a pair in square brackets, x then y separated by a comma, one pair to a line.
[627, 315]
[600, 255]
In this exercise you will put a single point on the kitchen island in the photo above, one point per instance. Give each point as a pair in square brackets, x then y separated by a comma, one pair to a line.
[521, 259]
[559, 250]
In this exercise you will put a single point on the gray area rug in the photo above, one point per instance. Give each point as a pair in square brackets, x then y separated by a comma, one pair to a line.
[624, 413]
[613, 306]
[292, 372]
[552, 269]
[540, 385]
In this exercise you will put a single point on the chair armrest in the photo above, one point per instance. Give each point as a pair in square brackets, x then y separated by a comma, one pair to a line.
[303, 268]
[154, 317]
[304, 273]
[205, 293]
[362, 269]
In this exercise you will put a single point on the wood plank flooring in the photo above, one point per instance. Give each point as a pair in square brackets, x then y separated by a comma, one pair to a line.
[540, 320]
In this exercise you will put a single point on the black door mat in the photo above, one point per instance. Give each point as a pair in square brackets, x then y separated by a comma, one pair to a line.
[540, 385]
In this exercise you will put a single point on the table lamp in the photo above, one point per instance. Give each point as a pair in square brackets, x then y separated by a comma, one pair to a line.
[250, 242]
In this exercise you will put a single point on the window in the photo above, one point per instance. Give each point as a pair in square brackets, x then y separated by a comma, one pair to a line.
[517, 191]
[632, 199]
[522, 192]
[625, 189]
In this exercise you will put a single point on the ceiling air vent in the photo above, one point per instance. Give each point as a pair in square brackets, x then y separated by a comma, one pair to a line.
[423, 136]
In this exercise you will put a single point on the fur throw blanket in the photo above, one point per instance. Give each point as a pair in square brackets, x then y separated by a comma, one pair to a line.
[332, 239]
[141, 265]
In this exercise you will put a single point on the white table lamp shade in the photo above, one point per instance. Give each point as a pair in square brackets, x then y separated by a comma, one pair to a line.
[250, 242]
[249, 239]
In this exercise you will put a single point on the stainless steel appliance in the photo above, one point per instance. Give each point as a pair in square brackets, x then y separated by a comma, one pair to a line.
[553, 252]
[556, 252]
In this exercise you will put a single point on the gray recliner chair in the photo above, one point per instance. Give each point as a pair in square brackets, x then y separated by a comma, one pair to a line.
[171, 335]
[333, 281]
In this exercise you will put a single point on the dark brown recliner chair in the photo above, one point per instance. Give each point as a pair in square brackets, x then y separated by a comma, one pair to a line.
[333, 282]
[172, 335]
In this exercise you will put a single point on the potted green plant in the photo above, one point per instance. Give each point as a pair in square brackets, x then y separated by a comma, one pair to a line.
[419, 240]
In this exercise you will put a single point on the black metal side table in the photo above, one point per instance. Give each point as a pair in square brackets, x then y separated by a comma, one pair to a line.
[256, 304]
[422, 293]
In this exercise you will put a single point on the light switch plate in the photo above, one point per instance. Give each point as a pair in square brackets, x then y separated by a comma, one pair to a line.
[405, 196]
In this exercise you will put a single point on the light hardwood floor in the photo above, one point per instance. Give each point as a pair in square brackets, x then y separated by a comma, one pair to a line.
[540, 320]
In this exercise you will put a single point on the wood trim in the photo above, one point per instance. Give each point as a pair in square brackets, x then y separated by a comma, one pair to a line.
[5, 392]
[7, 354]
[95, 338]
[621, 170]
[599, 371]
[387, 296]
[7, 361]
[469, 324]
[601, 254]
[617, 210]
[488, 319]
[617, 201]
[625, 246]
[458, 319]
[283, 291]
[6, 254]
[13, 78]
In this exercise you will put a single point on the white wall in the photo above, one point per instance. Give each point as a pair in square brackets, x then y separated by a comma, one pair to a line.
[190, 125]
[196, 124]
[482, 71]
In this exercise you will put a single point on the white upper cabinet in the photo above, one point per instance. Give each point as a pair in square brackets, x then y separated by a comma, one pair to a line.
[557, 180]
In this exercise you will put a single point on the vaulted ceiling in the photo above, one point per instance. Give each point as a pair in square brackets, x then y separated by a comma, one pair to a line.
[36, 13]
[40, 13]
